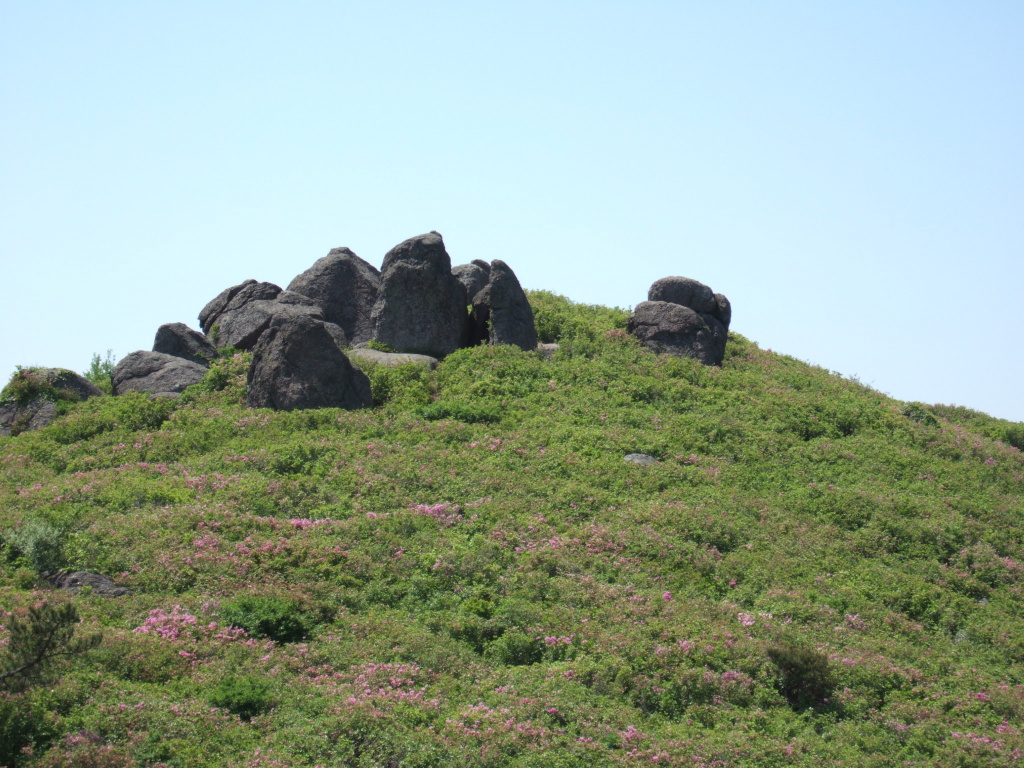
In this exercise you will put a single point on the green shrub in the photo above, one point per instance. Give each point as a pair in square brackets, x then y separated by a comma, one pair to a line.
[271, 617]
[468, 412]
[36, 544]
[1015, 436]
[23, 723]
[920, 413]
[245, 696]
[558, 319]
[409, 385]
[805, 676]
[101, 371]
[516, 649]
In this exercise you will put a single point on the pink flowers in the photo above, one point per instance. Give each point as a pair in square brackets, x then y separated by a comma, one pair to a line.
[304, 523]
[440, 512]
[667, 597]
[745, 619]
[562, 640]
[169, 626]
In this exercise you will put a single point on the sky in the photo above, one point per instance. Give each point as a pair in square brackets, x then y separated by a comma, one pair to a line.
[850, 175]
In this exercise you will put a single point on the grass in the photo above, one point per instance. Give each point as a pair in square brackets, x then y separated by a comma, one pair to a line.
[812, 573]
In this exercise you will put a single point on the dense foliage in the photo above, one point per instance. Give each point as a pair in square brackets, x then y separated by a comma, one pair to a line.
[811, 574]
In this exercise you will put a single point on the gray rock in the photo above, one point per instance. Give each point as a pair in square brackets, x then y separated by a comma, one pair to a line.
[242, 323]
[36, 414]
[52, 384]
[298, 364]
[422, 305]
[234, 297]
[642, 459]
[501, 312]
[548, 351]
[97, 583]
[673, 329]
[392, 359]
[724, 313]
[345, 287]
[178, 340]
[473, 276]
[155, 373]
[685, 292]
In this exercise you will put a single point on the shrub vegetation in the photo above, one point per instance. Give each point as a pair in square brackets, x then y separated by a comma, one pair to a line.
[811, 574]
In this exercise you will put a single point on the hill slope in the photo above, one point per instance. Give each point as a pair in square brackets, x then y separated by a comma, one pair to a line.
[811, 573]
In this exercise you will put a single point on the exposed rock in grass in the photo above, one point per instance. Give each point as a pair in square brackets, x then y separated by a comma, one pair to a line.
[96, 583]
[155, 373]
[642, 459]
[392, 359]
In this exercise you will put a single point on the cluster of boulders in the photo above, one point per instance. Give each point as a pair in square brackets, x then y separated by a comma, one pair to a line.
[683, 317]
[416, 305]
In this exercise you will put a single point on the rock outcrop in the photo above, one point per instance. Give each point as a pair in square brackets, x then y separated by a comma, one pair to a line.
[233, 298]
[345, 288]
[96, 583]
[501, 311]
[298, 363]
[155, 373]
[178, 340]
[30, 399]
[473, 276]
[693, 294]
[677, 330]
[683, 317]
[243, 322]
[421, 306]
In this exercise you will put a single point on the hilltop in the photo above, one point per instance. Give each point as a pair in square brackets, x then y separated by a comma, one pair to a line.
[809, 573]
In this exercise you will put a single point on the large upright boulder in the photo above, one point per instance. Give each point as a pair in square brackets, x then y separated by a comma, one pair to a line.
[345, 287]
[422, 305]
[298, 363]
[29, 401]
[178, 340]
[241, 326]
[501, 311]
[673, 329]
[155, 373]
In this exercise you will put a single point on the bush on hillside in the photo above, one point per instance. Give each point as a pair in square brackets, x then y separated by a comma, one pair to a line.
[560, 320]
[805, 676]
[271, 617]
[247, 696]
[101, 371]
[36, 544]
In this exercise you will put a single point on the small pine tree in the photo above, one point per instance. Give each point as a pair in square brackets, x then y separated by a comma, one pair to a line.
[37, 640]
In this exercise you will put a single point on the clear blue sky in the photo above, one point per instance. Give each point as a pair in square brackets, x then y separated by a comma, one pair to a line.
[850, 175]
